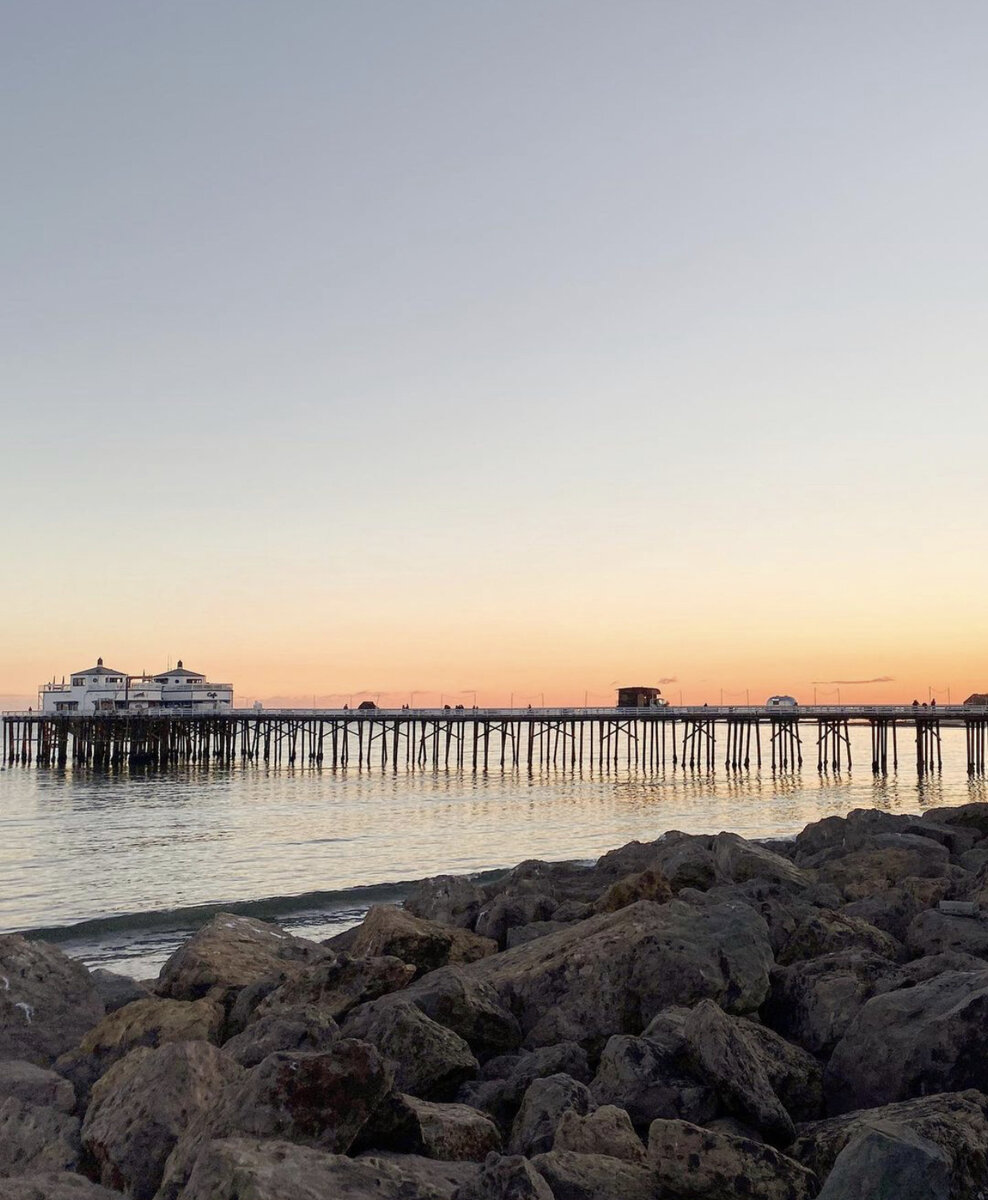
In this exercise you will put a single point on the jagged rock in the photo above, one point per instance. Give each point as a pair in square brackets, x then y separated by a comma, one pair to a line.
[36, 1085]
[933, 932]
[883, 863]
[542, 1106]
[706, 1165]
[457, 999]
[117, 990]
[964, 816]
[36, 1139]
[956, 838]
[53, 1185]
[507, 1079]
[724, 1057]
[889, 1162]
[506, 1178]
[607, 1130]
[246, 1169]
[613, 972]
[928, 967]
[793, 1073]
[144, 1103]
[231, 952]
[520, 934]
[577, 910]
[336, 985]
[47, 1001]
[507, 912]
[303, 1027]
[430, 1061]
[812, 1003]
[828, 932]
[639, 1076]
[737, 860]
[955, 1122]
[425, 1176]
[894, 909]
[685, 859]
[929, 1038]
[447, 899]
[844, 834]
[150, 1022]
[425, 944]
[451, 1132]
[594, 1177]
[645, 885]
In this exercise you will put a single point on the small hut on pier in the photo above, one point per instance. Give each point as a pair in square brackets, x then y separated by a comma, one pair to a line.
[640, 696]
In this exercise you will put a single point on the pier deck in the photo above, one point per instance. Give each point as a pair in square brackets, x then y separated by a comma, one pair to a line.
[488, 738]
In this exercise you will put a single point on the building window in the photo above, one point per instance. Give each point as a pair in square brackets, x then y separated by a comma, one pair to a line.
[78, 683]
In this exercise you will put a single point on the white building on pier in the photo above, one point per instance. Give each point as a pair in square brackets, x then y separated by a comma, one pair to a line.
[102, 689]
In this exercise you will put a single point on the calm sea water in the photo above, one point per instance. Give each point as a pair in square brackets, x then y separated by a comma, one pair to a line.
[119, 867]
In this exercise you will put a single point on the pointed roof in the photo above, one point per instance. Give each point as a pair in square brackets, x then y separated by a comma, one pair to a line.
[179, 672]
[99, 669]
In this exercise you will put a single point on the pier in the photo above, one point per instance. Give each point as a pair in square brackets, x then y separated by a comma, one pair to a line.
[483, 739]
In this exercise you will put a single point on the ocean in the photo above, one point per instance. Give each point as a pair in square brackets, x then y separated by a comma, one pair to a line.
[119, 867]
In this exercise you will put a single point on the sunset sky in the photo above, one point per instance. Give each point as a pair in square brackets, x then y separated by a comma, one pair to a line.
[511, 349]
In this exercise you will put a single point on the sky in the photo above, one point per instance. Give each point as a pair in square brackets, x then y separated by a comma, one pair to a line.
[496, 350]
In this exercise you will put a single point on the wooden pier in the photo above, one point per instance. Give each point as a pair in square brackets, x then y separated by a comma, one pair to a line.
[601, 739]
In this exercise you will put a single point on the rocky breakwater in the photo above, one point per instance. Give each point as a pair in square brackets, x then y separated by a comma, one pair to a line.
[689, 1019]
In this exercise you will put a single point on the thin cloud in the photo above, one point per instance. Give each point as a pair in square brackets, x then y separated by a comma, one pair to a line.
[852, 682]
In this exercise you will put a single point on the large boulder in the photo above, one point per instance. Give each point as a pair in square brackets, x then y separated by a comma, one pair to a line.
[505, 1080]
[812, 1003]
[142, 1106]
[607, 1130]
[336, 985]
[646, 1080]
[882, 863]
[542, 1106]
[427, 945]
[643, 885]
[231, 952]
[117, 990]
[36, 1139]
[149, 1022]
[929, 1038]
[47, 1001]
[731, 1064]
[736, 860]
[845, 834]
[429, 1060]
[450, 1132]
[685, 859]
[594, 1177]
[954, 1122]
[447, 899]
[53, 1185]
[471, 1007]
[36, 1085]
[425, 1176]
[612, 973]
[890, 1162]
[703, 1164]
[828, 932]
[303, 1027]
[792, 1072]
[934, 932]
[505, 1177]
[503, 913]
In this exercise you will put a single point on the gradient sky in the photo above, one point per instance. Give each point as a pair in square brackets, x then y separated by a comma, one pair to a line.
[501, 347]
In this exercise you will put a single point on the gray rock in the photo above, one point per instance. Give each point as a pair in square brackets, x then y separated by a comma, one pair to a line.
[53, 1185]
[117, 990]
[508, 912]
[505, 1178]
[427, 945]
[303, 1028]
[36, 1139]
[450, 1132]
[47, 1001]
[447, 899]
[506, 1079]
[701, 1163]
[542, 1106]
[846, 834]
[337, 985]
[828, 932]
[686, 860]
[36, 1085]
[929, 1038]
[520, 934]
[933, 932]
[972, 817]
[429, 1060]
[425, 1175]
[737, 860]
[607, 1130]
[456, 999]
[793, 1073]
[889, 1162]
[728, 1061]
[594, 1177]
[639, 1076]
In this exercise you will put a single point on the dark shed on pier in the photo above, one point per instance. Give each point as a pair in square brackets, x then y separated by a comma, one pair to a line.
[640, 696]
[977, 698]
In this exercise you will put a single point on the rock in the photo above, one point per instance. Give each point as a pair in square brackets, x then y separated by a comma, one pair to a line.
[973, 817]
[724, 1057]
[425, 1176]
[954, 1122]
[520, 934]
[47, 1001]
[249, 998]
[933, 932]
[35, 1085]
[694, 1162]
[117, 990]
[812, 1003]
[430, 1061]
[793, 1073]
[637, 1075]
[53, 1185]
[929, 1038]
[828, 932]
[506, 1178]
[447, 900]
[645, 885]
[686, 860]
[36, 1139]
[304, 1027]
[425, 944]
[231, 952]
[845, 834]
[737, 860]
[612, 973]
[508, 912]
[451, 1132]
[151, 1022]
[607, 1130]
[338, 984]
[889, 1162]
[577, 910]
[542, 1106]
[883, 863]
[502, 1096]
[928, 967]
[246, 1169]
[956, 838]
[893, 910]
[470, 1007]
[144, 1103]
[594, 1177]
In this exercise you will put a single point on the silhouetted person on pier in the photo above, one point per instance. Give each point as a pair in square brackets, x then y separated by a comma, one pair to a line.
[933, 704]
[915, 704]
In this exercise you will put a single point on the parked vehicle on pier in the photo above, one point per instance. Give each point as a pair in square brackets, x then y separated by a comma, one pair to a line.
[781, 702]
